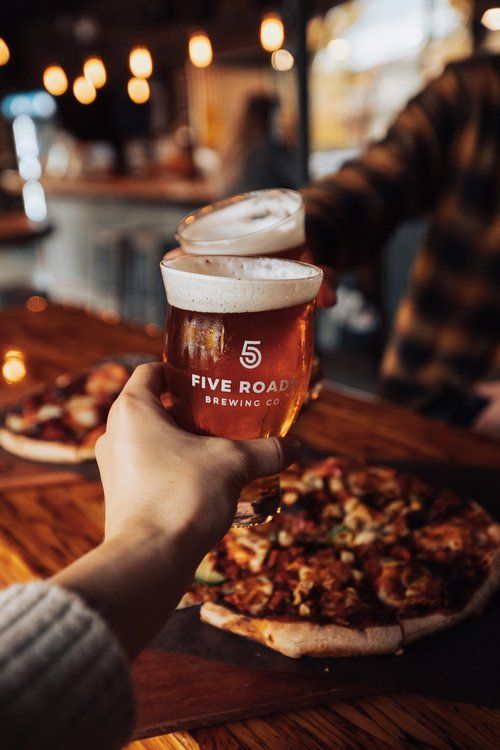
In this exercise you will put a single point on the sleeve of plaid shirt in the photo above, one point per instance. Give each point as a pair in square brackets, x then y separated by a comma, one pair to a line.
[349, 215]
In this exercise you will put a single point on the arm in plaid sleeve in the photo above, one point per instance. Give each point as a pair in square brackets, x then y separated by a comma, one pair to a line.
[349, 215]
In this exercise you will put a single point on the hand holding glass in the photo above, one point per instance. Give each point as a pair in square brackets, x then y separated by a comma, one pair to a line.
[238, 352]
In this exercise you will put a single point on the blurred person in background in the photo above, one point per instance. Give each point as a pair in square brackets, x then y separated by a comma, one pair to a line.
[257, 156]
[441, 159]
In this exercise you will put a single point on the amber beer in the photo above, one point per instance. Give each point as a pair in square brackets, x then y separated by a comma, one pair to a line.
[238, 352]
[262, 222]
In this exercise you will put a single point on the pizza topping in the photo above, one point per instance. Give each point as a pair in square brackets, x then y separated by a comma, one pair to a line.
[107, 378]
[49, 411]
[290, 497]
[15, 422]
[251, 595]
[206, 572]
[83, 411]
[247, 548]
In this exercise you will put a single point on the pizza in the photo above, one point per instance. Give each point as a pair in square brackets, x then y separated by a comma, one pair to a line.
[361, 560]
[62, 421]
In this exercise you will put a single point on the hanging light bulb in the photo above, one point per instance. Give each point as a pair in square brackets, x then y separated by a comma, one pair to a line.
[95, 72]
[54, 80]
[4, 52]
[138, 90]
[200, 50]
[84, 90]
[272, 32]
[141, 62]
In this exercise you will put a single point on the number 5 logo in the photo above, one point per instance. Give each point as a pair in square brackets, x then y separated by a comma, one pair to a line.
[251, 355]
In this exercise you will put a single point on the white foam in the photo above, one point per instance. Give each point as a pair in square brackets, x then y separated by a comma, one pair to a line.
[221, 284]
[258, 223]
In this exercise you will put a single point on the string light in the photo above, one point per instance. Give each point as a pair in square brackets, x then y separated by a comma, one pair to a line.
[84, 90]
[272, 32]
[141, 62]
[4, 52]
[95, 72]
[491, 19]
[138, 90]
[282, 60]
[55, 80]
[200, 50]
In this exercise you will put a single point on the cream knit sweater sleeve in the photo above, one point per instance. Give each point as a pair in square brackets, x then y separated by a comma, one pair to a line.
[64, 680]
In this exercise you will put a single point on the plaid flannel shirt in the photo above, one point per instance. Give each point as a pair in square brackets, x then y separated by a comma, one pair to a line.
[440, 158]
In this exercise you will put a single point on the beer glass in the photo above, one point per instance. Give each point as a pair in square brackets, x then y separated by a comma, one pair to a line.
[238, 352]
[262, 222]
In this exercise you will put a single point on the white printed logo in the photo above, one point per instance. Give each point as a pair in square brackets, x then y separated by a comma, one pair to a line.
[251, 356]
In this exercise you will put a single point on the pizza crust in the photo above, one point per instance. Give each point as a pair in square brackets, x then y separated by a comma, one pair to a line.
[296, 639]
[45, 450]
[416, 628]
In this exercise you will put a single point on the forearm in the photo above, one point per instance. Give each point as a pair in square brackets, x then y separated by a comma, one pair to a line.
[134, 582]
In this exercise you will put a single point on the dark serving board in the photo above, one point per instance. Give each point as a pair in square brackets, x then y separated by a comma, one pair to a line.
[462, 664]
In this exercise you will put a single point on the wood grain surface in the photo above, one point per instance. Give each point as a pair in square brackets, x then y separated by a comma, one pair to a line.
[48, 518]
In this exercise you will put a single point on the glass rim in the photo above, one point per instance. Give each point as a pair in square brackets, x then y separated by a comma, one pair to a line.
[167, 263]
[210, 208]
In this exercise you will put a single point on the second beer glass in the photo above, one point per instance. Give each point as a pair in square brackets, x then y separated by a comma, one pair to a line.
[238, 352]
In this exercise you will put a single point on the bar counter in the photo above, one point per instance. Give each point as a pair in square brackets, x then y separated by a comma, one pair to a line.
[49, 516]
[162, 189]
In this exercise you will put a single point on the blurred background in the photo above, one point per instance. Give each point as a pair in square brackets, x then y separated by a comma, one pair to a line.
[118, 118]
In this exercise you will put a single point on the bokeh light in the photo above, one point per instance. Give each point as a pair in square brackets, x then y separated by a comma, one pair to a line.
[84, 90]
[200, 50]
[138, 90]
[4, 52]
[55, 80]
[141, 62]
[14, 366]
[95, 72]
[272, 32]
[282, 60]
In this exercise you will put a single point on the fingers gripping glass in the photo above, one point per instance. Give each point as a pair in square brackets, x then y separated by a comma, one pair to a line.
[238, 352]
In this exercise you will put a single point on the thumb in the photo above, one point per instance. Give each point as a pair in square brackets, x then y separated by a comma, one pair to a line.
[268, 456]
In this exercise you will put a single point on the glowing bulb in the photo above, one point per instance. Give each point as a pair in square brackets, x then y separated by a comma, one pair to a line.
[141, 62]
[272, 32]
[14, 367]
[339, 49]
[95, 72]
[200, 50]
[138, 90]
[4, 52]
[54, 80]
[84, 90]
[490, 19]
[282, 59]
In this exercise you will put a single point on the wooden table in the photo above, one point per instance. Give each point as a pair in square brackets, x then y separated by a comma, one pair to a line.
[38, 507]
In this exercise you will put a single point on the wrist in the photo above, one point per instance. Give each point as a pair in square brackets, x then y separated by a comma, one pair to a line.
[155, 543]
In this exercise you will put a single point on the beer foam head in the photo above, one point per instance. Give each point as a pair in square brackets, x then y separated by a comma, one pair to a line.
[229, 284]
[258, 223]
